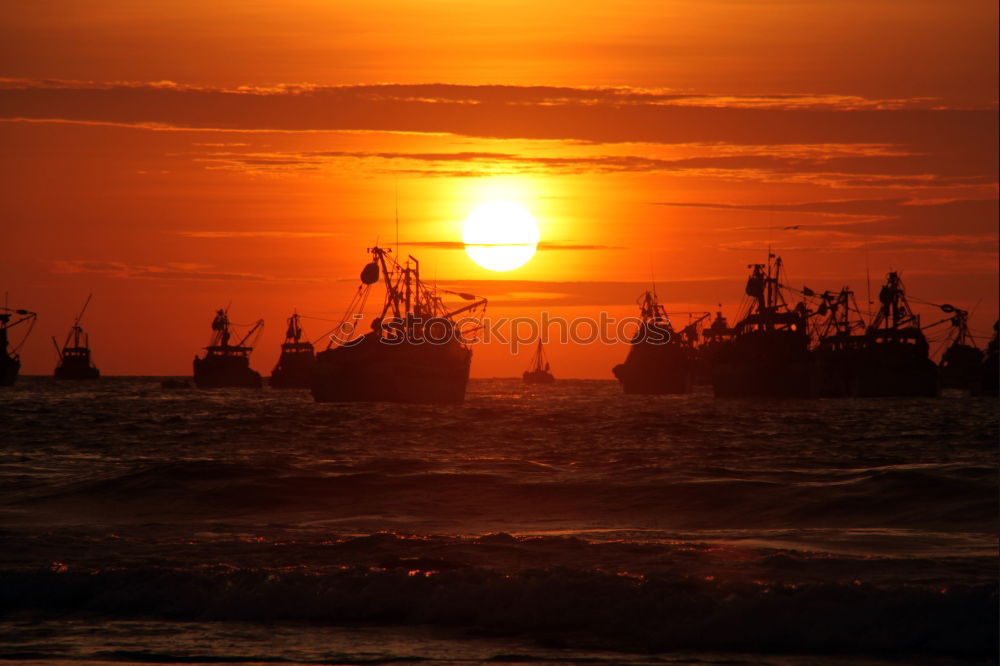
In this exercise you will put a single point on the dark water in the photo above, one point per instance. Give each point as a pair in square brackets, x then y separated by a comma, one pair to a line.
[530, 524]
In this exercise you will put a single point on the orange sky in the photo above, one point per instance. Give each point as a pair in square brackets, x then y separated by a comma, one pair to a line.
[173, 158]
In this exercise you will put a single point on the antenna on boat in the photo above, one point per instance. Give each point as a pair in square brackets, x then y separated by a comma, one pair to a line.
[652, 274]
[79, 317]
[397, 218]
[868, 281]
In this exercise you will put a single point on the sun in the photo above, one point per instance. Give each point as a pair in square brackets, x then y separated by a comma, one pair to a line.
[500, 235]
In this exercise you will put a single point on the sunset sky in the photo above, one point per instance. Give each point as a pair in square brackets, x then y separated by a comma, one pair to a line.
[175, 157]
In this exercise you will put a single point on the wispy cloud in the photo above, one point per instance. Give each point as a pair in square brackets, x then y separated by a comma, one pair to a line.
[167, 271]
[260, 234]
[868, 166]
[539, 112]
[499, 94]
[902, 218]
[539, 293]
[544, 245]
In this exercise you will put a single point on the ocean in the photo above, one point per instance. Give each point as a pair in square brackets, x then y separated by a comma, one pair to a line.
[563, 523]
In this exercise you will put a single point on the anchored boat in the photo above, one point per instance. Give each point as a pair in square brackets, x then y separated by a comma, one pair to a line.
[895, 360]
[889, 356]
[961, 361]
[659, 360]
[768, 354]
[10, 361]
[842, 341]
[416, 351]
[539, 371]
[294, 368]
[226, 365]
[74, 356]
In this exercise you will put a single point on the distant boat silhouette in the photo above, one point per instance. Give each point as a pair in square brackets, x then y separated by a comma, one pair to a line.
[10, 362]
[294, 368]
[226, 365]
[961, 361]
[414, 351]
[659, 361]
[74, 356]
[842, 340]
[890, 358]
[538, 372]
[768, 354]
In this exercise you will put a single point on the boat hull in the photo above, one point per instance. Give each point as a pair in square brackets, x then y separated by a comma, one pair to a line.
[959, 367]
[408, 372]
[225, 372]
[989, 376]
[764, 364]
[888, 379]
[76, 371]
[294, 370]
[9, 369]
[652, 369]
[876, 371]
[537, 377]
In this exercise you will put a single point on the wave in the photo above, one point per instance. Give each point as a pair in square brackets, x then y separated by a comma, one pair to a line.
[571, 607]
[532, 493]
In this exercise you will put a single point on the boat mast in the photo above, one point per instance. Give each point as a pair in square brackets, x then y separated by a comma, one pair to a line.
[220, 326]
[257, 325]
[407, 288]
[416, 279]
[392, 292]
[894, 310]
[75, 332]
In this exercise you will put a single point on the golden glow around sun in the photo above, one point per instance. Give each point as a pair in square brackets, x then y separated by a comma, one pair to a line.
[500, 235]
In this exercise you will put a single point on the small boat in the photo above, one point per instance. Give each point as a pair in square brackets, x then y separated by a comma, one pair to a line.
[960, 363]
[660, 361]
[843, 339]
[74, 356]
[226, 365]
[768, 354]
[10, 361]
[539, 372]
[416, 351]
[294, 368]
[895, 360]
[887, 357]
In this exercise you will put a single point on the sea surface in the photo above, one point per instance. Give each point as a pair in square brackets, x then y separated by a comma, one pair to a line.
[531, 524]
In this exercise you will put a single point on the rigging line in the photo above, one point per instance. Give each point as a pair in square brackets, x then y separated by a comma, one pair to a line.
[26, 334]
[868, 279]
[652, 274]
[302, 316]
[975, 307]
